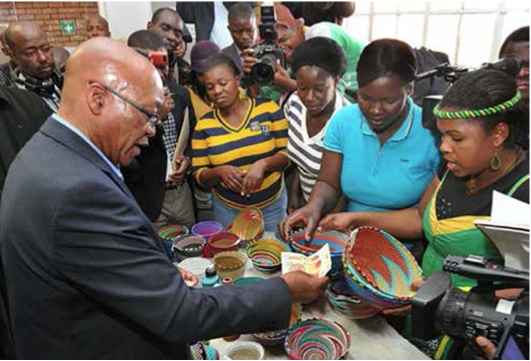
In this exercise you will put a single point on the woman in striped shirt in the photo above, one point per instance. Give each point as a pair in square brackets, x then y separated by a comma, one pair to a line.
[318, 64]
[239, 149]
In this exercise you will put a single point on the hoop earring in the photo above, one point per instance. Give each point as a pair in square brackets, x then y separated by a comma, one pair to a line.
[495, 162]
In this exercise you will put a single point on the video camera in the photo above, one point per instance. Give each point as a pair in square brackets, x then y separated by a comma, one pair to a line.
[510, 65]
[267, 52]
[439, 308]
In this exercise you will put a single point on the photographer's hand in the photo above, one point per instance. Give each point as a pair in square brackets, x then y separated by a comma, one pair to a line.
[248, 61]
[488, 348]
[283, 79]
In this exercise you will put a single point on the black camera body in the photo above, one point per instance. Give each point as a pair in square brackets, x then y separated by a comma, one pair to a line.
[267, 52]
[439, 308]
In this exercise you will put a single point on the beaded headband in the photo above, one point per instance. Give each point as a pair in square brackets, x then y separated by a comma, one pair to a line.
[478, 113]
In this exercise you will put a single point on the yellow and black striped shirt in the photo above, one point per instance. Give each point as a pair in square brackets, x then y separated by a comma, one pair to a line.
[263, 133]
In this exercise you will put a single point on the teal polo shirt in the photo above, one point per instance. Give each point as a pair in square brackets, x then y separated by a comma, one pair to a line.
[382, 178]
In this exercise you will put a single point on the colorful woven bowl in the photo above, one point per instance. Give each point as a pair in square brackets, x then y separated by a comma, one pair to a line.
[195, 265]
[188, 246]
[248, 224]
[266, 254]
[172, 232]
[379, 269]
[206, 229]
[245, 350]
[230, 264]
[169, 234]
[317, 339]
[221, 242]
[277, 337]
[337, 241]
[342, 301]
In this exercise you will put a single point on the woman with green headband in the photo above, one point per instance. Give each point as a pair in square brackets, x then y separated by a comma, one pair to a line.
[477, 119]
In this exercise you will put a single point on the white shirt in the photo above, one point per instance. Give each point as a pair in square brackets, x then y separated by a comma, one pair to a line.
[220, 34]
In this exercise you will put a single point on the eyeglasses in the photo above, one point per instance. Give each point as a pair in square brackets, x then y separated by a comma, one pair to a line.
[153, 119]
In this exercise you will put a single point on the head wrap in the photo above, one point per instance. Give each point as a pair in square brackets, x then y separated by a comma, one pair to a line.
[284, 17]
[200, 53]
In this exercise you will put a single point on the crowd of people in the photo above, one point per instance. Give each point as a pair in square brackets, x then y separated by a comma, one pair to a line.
[99, 151]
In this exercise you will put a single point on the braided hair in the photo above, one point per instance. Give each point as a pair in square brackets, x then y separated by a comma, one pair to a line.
[482, 89]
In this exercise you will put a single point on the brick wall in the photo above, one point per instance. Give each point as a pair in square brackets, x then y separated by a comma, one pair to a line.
[49, 15]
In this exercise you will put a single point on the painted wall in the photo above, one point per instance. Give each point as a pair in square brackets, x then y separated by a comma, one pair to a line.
[126, 17]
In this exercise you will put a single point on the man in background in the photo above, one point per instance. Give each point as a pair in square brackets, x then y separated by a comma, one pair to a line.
[242, 27]
[169, 26]
[36, 70]
[97, 25]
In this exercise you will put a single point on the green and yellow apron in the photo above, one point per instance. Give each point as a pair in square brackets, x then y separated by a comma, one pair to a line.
[456, 236]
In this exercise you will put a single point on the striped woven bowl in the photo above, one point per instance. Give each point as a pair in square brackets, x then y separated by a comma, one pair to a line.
[265, 254]
[379, 269]
[342, 301]
[317, 339]
[337, 241]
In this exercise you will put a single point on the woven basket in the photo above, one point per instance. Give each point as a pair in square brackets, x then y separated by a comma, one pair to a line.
[379, 268]
[265, 254]
[248, 224]
[337, 241]
[317, 339]
[277, 337]
[230, 264]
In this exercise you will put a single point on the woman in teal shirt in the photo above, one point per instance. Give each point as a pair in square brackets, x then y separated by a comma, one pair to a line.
[376, 152]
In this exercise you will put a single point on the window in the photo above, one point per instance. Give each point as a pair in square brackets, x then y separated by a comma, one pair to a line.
[470, 32]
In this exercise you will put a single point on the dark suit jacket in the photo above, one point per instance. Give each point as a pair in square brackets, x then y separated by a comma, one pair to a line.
[146, 176]
[87, 275]
[234, 53]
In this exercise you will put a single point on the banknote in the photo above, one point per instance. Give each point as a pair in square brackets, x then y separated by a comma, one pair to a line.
[317, 264]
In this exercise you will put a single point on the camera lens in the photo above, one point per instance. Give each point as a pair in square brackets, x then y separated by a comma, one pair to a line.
[263, 72]
[451, 313]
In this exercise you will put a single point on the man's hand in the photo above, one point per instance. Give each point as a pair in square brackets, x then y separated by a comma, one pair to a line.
[248, 61]
[231, 176]
[305, 288]
[178, 177]
[254, 177]
[168, 104]
[189, 278]
[488, 348]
